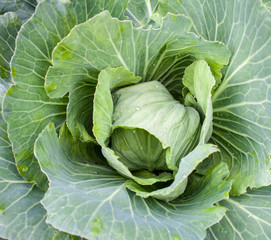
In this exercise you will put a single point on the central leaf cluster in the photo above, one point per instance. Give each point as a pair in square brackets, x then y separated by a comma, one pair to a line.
[152, 130]
[151, 92]
[147, 135]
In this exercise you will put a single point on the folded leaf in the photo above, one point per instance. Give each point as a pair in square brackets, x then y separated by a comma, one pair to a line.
[27, 108]
[199, 80]
[92, 201]
[241, 104]
[152, 108]
[177, 187]
[109, 79]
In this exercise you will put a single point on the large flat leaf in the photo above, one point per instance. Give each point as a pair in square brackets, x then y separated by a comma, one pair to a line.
[242, 126]
[108, 42]
[27, 108]
[92, 201]
[22, 217]
[21, 214]
[248, 217]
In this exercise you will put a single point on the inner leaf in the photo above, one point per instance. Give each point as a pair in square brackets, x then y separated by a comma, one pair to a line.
[151, 107]
[138, 149]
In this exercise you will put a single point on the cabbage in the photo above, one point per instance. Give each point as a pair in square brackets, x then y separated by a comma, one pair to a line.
[129, 120]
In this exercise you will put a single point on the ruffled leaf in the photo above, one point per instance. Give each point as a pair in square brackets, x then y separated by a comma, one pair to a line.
[27, 107]
[92, 201]
[199, 80]
[109, 79]
[241, 104]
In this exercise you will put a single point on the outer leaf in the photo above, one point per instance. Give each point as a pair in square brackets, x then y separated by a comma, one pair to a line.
[27, 108]
[9, 27]
[107, 42]
[92, 201]
[178, 54]
[141, 12]
[166, 6]
[24, 9]
[249, 217]
[242, 126]
[21, 214]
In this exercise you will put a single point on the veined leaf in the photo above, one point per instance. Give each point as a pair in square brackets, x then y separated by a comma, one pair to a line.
[21, 214]
[9, 27]
[27, 108]
[248, 217]
[109, 80]
[92, 201]
[199, 80]
[141, 12]
[241, 104]
[178, 54]
[108, 42]
[166, 6]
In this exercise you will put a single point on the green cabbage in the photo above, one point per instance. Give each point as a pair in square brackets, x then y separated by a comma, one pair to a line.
[131, 120]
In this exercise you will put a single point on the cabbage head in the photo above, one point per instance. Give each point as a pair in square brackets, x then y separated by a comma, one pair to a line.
[131, 120]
